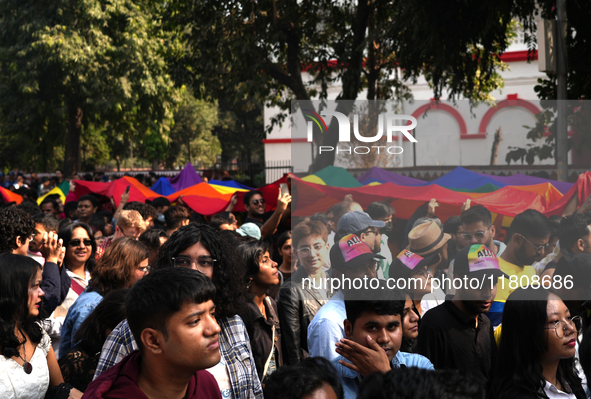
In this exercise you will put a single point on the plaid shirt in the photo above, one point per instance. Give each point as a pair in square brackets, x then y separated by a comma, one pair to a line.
[234, 347]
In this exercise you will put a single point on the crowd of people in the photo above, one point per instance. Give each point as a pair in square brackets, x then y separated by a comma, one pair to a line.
[151, 300]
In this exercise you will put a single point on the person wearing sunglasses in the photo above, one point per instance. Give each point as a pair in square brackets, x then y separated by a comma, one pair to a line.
[537, 349]
[256, 206]
[78, 262]
[528, 237]
[124, 263]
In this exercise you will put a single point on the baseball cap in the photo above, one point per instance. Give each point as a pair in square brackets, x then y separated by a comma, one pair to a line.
[477, 259]
[408, 263]
[249, 229]
[355, 221]
[350, 252]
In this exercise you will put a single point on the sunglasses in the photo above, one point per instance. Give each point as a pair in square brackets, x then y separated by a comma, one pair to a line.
[76, 242]
[257, 201]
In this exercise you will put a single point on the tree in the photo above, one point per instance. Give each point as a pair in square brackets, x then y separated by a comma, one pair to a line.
[251, 48]
[70, 64]
[578, 88]
[191, 138]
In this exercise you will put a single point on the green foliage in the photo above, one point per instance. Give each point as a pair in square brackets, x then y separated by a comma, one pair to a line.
[105, 59]
[191, 138]
[578, 87]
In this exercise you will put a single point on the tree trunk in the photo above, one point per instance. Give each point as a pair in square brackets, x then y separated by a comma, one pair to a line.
[351, 86]
[495, 147]
[72, 161]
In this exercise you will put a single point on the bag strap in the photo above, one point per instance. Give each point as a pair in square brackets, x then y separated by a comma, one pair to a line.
[272, 338]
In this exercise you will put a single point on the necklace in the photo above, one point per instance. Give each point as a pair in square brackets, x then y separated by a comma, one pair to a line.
[28, 367]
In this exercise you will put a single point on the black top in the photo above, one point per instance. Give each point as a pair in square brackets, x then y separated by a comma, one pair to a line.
[260, 332]
[78, 367]
[451, 340]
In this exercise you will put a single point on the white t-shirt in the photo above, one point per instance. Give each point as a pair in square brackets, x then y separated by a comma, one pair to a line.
[16, 384]
[221, 375]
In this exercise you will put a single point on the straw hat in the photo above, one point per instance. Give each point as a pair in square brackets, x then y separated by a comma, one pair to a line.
[426, 238]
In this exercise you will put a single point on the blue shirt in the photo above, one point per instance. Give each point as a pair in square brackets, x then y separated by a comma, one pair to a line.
[350, 378]
[77, 313]
[326, 329]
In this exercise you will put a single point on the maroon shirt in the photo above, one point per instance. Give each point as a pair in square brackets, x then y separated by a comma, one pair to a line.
[120, 382]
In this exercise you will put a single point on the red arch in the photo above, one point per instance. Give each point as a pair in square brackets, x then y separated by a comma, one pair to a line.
[434, 104]
[511, 101]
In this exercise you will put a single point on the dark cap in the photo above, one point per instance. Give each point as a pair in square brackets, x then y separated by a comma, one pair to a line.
[350, 252]
[477, 259]
[408, 263]
[355, 221]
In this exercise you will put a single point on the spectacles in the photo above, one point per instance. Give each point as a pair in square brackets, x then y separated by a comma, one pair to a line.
[374, 231]
[538, 248]
[76, 242]
[479, 235]
[258, 201]
[202, 264]
[373, 267]
[425, 272]
[570, 321]
[306, 251]
[145, 269]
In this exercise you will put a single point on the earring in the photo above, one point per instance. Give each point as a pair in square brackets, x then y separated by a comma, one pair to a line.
[248, 284]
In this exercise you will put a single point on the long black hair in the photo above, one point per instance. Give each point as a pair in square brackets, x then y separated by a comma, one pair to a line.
[228, 270]
[523, 342]
[17, 273]
[66, 233]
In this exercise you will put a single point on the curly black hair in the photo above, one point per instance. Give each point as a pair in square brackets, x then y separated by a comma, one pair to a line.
[228, 271]
[14, 223]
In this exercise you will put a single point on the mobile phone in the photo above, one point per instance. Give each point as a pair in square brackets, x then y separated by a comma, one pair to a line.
[127, 189]
[284, 189]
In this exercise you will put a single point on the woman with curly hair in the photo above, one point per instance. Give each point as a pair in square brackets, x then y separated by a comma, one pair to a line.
[536, 354]
[27, 363]
[124, 263]
[201, 247]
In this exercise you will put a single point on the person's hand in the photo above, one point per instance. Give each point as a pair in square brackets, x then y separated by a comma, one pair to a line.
[179, 200]
[363, 360]
[431, 207]
[75, 394]
[125, 197]
[234, 199]
[466, 205]
[51, 247]
[283, 201]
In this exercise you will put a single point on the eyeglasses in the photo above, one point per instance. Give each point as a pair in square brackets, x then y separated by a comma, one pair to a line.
[479, 235]
[570, 321]
[145, 269]
[306, 251]
[538, 248]
[425, 272]
[375, 231]
[372, 267]
[258, 201]
[203, 263]
[76, 242]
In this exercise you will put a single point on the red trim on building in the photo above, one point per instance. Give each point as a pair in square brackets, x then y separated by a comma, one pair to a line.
[283, 141]
[511, 101]
[517, 56]
[434, 104]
